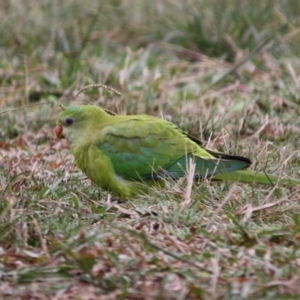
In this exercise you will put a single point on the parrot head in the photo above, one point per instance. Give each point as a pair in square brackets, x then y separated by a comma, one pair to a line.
[78, 120]
[71, 121]
[64, 125]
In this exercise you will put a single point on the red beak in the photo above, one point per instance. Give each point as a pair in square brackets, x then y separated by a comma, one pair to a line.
[59, 131]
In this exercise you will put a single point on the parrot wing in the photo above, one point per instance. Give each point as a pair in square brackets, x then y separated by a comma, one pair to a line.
[149, 148]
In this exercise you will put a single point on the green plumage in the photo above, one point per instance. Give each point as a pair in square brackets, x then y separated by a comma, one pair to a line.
[120, 152]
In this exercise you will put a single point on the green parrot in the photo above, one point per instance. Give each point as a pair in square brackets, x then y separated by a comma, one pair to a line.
[122, 153]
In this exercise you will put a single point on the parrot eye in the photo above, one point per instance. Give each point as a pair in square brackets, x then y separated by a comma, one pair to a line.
[69, 121]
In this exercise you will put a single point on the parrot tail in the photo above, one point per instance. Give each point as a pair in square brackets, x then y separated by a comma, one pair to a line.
[255, 177]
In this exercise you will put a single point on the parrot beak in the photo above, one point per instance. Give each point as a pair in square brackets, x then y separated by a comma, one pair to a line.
[59, 131]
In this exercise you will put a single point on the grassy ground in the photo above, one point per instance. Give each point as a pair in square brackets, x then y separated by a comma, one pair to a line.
[224, 71]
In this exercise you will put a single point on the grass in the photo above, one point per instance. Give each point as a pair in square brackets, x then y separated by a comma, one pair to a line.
[225, 73]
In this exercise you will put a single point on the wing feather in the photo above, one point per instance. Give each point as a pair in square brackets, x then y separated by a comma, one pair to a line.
[146, 147]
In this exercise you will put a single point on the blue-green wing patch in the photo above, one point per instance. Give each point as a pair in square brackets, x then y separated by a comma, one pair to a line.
[145, 148]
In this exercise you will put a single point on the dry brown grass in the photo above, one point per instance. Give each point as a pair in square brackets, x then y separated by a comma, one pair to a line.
[61, 237]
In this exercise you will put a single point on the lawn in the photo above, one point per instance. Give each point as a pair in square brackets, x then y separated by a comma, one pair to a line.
[226, 72]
